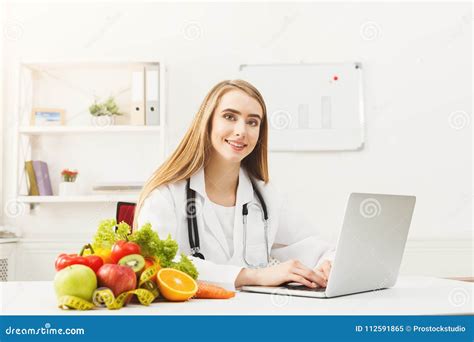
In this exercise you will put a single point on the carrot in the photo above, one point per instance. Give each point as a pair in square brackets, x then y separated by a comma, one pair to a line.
[209, 291]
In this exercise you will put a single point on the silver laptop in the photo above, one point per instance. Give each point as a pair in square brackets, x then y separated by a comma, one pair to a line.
[369, 250]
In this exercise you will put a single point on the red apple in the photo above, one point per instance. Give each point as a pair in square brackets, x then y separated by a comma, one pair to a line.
[118, 278]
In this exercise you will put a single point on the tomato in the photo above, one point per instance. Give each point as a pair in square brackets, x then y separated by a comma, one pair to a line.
[122, 248]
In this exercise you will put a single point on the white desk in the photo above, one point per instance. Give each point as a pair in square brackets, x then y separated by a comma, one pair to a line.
[410, 296]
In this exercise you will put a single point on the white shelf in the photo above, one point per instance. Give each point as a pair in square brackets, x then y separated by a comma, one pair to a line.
[9, 240]
[84, 64]
[59, 130]
[79, 199]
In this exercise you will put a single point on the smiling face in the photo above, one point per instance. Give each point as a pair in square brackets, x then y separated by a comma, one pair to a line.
[235, 126]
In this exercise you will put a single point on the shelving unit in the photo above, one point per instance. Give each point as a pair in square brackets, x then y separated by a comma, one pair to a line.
[79, 199]
[80, 127]
[33, 130]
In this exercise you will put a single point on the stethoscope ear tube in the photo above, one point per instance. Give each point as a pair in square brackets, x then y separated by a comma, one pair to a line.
[261, 200]
[193, 234]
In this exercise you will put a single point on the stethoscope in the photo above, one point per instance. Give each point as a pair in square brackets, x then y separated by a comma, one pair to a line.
[193, 233]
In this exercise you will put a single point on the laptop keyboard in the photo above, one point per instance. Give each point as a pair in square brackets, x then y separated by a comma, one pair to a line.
[299, 287]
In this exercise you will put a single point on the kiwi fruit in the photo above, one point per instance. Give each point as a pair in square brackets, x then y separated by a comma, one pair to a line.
[135, 261]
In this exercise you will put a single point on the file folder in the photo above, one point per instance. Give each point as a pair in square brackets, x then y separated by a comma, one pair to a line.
[152, 89]
[137, 110]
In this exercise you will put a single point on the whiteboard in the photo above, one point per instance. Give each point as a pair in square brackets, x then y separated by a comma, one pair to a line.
[311, 107]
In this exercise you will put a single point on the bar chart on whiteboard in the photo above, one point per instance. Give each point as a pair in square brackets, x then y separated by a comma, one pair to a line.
[311, 107]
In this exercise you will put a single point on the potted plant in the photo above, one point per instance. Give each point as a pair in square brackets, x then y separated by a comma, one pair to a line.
[68, 186]
[103, 113]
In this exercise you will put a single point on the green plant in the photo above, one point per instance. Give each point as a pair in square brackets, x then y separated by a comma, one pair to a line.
[108, 107]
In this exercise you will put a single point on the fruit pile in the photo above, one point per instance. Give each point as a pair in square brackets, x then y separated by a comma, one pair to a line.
[119, 264]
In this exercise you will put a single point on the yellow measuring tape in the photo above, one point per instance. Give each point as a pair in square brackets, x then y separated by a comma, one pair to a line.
[146, 293]
[146, 280]
[72, 302]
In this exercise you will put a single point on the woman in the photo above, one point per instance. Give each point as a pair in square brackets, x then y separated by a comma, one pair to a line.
[219, 166]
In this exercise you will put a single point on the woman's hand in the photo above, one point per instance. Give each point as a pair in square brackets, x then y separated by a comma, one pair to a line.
[288, 271]
[324, 269]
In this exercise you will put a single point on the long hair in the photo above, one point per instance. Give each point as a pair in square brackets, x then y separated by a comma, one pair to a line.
[194, 150]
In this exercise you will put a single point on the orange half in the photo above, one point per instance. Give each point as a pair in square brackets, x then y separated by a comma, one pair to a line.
[175, 285]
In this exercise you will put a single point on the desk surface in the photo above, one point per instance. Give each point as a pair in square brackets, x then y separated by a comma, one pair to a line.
[410, 296]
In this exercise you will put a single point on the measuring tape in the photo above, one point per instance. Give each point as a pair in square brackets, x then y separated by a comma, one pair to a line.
[146, 293]
[72, 302]
[146, 280]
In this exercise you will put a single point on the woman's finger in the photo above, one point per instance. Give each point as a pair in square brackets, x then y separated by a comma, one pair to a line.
[323, 276]
[317, 277]
[301, 279]
[310, 275]
[326, 266]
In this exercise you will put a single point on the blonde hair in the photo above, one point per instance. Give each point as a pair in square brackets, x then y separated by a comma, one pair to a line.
[194, 150]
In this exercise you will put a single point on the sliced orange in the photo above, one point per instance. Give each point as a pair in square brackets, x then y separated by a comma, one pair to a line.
[175, 285]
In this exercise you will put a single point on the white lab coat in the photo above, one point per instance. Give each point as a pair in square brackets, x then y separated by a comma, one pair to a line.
[165, 209]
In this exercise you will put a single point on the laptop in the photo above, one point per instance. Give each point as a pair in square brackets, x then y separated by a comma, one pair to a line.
[369, 249]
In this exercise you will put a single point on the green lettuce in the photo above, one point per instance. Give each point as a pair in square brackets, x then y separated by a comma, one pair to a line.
[185, 265]
[106, 234]
[165, 250]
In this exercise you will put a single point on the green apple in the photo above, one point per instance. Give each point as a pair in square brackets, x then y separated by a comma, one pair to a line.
[75, 280]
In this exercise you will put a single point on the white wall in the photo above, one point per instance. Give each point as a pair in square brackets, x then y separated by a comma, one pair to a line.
[2, 89]
[417, 67]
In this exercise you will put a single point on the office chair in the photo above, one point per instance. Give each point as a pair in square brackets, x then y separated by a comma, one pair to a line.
[125, 212]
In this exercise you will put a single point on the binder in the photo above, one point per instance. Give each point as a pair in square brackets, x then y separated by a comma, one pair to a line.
[42, 178]
[32, 185]
[152, 89]
[137, 110]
